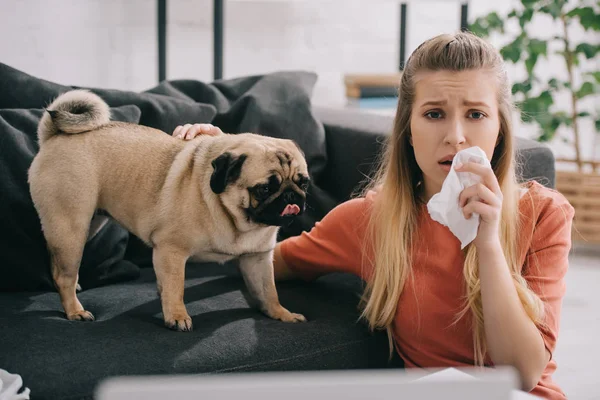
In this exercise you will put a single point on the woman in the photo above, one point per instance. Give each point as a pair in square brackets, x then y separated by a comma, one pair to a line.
[497, 302]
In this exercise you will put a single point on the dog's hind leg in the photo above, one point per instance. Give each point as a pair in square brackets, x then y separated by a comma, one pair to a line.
[66, 236]
[65, 195]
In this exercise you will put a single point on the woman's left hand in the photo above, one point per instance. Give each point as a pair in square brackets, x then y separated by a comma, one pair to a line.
[484, 199]
[189, 131]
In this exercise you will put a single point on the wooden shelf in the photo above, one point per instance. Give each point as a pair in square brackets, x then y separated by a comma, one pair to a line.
[372, 85]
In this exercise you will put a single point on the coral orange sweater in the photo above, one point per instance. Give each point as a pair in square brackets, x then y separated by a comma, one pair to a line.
[423, 329]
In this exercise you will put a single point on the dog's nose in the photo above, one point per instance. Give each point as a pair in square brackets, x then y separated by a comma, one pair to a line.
[289, 197]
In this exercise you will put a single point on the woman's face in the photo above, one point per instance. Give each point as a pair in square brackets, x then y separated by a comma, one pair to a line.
[452, 111]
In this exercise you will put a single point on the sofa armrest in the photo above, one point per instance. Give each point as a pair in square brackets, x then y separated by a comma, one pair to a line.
[355, 140]
[535, 161]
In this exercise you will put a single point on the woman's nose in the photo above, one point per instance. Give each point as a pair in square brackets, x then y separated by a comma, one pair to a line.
[455, 134]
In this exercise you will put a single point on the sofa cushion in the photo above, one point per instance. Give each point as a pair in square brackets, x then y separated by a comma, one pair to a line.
[276, 104]
[65, 359]
[21, 90]
[24, 260]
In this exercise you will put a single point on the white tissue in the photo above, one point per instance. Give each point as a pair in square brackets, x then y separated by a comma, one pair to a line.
[10, 384]
[444, 207]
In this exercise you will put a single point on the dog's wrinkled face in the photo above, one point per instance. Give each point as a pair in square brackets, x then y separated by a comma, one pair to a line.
[263, 181]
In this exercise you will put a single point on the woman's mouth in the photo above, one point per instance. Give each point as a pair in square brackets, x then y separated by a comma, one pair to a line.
[446, 165]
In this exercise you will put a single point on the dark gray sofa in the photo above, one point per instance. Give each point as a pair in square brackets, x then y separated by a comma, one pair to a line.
[61, 359]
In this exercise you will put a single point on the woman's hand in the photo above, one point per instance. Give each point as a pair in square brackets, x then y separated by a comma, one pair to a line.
[484, 199]
[189, 131]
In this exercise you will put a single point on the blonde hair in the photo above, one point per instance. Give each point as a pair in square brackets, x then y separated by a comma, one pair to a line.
[398, 181]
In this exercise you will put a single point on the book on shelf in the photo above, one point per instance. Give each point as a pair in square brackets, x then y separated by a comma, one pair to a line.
[373, 102]
[372, 91]
[371, 85]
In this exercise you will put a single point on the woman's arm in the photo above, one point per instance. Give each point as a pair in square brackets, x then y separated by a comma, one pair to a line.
[511, 337]
[282, 271]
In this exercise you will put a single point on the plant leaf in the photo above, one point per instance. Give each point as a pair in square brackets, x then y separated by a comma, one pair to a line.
[479, 29]
[487, 24]
[513, 50]
[589, 50]
[545, 99]
[495, 22]
[525, 17]
[546, 135]
[588, 18]
[595, 75]
[554, 8]
[549, 124]
[585, 90]
[597, 123]
[530, 63]
[521, 87]
[553, 83]
[583, 114]
[536, 109]
[563, 118]
[538, 46]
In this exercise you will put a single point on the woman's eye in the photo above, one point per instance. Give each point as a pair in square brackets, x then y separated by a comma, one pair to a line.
[433, 114]
[477, 115]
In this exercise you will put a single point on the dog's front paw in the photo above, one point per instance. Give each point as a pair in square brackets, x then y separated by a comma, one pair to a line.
[180, 322]
[284, 315]
[82, 315]
[292, 317]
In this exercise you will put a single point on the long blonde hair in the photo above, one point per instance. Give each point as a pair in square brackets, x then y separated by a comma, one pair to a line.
[398, 181]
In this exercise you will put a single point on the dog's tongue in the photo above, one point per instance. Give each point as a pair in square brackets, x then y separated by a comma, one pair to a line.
[290, 209]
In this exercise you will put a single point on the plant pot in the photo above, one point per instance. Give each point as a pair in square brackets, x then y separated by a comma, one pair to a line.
[582, 189]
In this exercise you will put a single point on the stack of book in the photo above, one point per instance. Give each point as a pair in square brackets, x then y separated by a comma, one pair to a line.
[372, 91]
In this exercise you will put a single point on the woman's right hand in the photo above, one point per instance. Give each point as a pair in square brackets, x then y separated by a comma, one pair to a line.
[189, 131]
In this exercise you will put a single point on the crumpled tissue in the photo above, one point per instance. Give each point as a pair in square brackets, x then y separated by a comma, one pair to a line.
[444, 207]
[10, 385]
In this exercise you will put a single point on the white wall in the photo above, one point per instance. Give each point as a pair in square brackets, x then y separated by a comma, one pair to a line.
[112, 43]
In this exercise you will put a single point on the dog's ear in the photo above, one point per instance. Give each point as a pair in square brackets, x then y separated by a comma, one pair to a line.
[226, 169]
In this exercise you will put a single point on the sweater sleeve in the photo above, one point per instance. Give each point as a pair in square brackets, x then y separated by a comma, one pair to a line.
[334, 244]
[548, 260]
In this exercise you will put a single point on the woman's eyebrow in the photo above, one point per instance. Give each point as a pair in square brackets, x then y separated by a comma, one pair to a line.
[467, 103]
[475, 104]
[434, 103]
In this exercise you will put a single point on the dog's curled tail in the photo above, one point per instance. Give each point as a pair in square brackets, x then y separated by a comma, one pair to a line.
[73, 112]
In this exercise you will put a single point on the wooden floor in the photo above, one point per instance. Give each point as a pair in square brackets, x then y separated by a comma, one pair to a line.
[578, 348]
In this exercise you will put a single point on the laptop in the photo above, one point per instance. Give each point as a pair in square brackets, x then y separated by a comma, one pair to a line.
[447, 384]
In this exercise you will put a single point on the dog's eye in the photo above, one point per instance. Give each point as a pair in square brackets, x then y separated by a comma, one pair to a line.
[303, 183]
[263, 190]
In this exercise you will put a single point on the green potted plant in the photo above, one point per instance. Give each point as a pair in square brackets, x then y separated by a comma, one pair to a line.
[536, 98]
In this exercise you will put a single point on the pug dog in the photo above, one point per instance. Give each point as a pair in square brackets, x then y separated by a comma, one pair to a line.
[214, 198]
